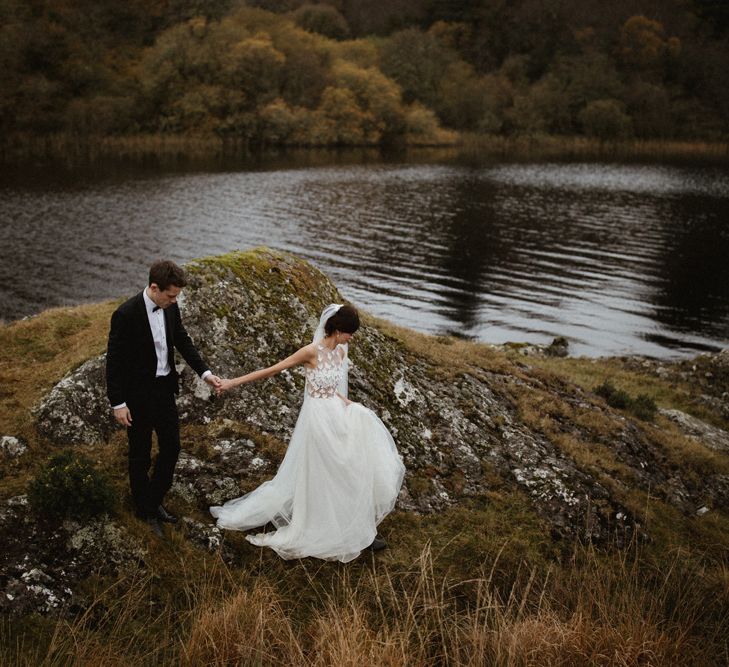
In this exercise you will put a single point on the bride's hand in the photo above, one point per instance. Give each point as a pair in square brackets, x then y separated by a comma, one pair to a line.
[224, 385]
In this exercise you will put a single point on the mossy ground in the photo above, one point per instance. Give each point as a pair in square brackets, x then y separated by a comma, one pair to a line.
[435, 572]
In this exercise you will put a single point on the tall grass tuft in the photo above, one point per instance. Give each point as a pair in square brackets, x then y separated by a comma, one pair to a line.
[245, 627]
[595, 608]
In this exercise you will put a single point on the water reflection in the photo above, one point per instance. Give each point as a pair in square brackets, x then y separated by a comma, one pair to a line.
[474, 249]
[693, 269]
[618, 258]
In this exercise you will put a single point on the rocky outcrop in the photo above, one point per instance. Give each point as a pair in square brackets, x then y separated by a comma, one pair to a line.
[202, 483]
[41, 564]
[706, 434]
[76, 410]
[460, 429]
[558, 348]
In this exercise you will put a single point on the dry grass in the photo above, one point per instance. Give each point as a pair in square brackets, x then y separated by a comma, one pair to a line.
[496, 592]
[686, 453]
[111, 630]
[450, 356]
[248, 627]
[588, 373]
[37, 352]
[546, 412]
[586, 612]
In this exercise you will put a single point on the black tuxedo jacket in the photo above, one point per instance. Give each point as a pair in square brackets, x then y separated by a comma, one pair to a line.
[131, 359]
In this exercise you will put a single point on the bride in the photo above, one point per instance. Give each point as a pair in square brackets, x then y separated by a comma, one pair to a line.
[341, 473]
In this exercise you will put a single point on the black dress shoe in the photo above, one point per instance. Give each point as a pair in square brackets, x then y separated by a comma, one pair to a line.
[153, 523]
[378, 544]
[164, 515]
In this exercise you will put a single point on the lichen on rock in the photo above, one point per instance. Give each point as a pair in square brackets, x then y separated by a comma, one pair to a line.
[76, 410]
[104, 540]
[459, 425]
[42, 564]
[711, 436]
[12, 447]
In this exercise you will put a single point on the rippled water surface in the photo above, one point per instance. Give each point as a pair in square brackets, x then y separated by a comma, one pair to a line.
[617, 258]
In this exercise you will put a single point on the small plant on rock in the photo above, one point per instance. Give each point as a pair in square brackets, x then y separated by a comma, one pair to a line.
[69, 486]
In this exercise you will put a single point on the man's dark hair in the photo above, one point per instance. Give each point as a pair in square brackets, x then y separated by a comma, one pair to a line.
[345, 320]
[165, 273]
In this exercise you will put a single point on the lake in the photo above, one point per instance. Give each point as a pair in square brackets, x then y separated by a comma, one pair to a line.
[618, 258]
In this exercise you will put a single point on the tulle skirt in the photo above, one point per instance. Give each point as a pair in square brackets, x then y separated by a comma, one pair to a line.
[340, 477]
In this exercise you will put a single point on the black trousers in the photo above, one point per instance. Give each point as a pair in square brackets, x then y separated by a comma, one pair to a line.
[153, 409]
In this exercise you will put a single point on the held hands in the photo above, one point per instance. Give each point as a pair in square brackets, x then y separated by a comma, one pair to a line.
[214, 381]
[225, 385]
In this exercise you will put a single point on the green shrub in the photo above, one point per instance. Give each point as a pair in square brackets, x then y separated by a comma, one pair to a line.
[70, 486]
[642, 406]
[615, 398]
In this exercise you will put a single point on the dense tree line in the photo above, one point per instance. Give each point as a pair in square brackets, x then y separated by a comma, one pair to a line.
[365, 71]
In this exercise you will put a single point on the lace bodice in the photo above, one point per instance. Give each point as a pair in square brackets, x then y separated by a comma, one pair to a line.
[322, 381]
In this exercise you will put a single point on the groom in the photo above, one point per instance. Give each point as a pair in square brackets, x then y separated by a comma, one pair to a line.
[142, 381]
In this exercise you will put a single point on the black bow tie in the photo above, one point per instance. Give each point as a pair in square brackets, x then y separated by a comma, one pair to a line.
[155, 309]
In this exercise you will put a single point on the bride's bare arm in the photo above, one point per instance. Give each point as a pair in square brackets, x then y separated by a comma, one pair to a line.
[306, 354]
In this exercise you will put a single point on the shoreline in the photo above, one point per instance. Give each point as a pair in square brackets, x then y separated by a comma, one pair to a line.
[40, 149]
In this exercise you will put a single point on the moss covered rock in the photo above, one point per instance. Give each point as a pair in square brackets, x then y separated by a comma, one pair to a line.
[468, 420]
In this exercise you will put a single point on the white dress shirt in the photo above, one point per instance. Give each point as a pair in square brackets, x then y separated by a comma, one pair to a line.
[156, 317]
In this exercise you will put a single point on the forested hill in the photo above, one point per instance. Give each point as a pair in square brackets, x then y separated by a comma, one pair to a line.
[365, 71]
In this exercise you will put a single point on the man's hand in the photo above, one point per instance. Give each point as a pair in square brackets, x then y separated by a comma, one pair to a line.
[123, 416]
[214, 381]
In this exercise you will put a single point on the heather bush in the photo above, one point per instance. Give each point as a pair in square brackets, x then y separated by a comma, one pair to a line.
[69, 486]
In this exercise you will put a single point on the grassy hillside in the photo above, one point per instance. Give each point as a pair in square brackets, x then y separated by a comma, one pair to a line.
[485, 580]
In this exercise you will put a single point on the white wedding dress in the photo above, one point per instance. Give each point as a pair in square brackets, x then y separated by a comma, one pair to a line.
[340, 477]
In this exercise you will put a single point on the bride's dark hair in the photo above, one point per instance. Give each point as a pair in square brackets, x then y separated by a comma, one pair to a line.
[345, 320]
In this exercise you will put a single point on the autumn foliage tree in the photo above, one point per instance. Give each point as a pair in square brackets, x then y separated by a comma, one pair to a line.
[291, 72]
